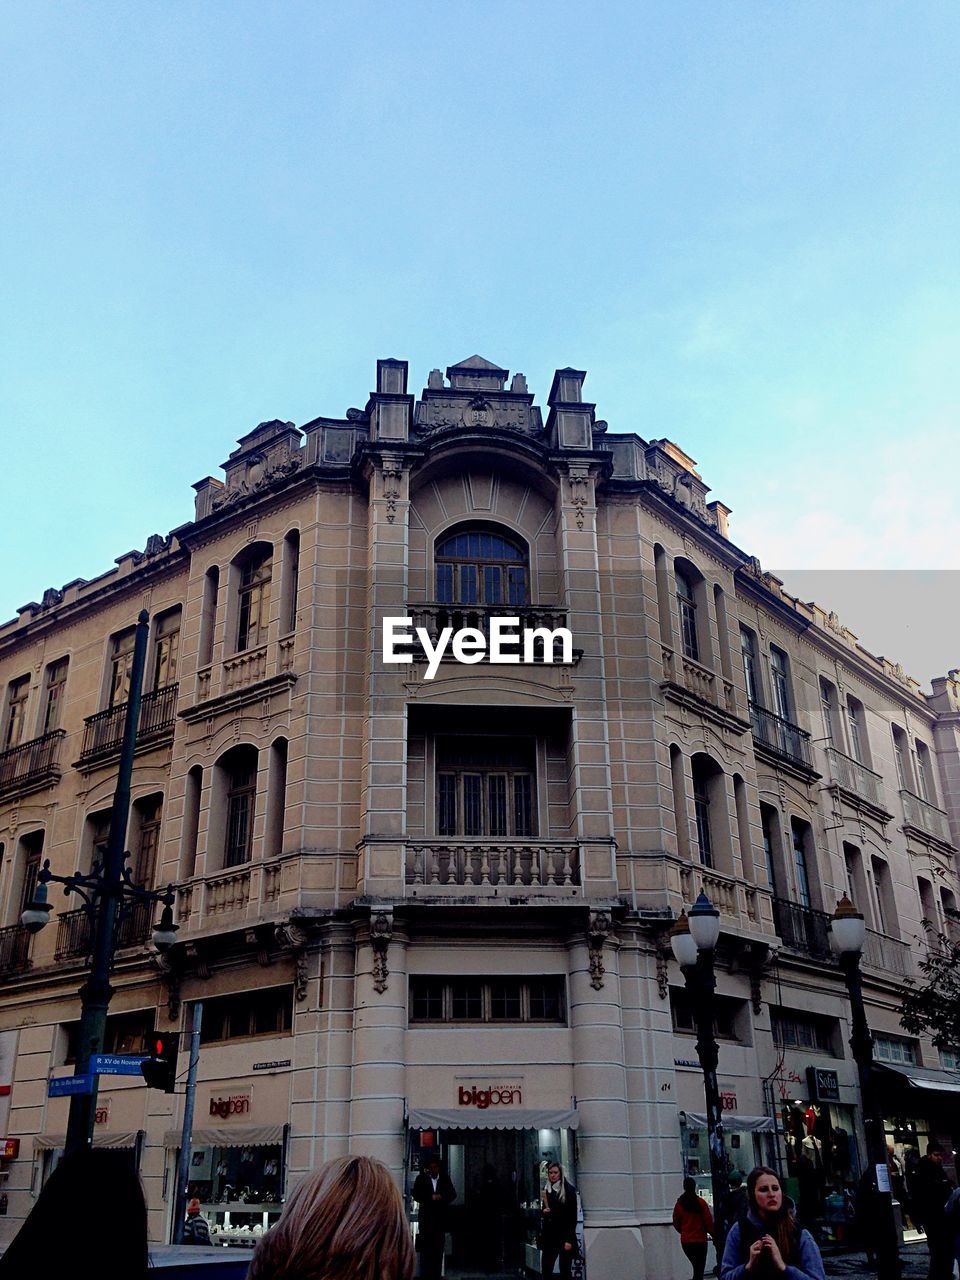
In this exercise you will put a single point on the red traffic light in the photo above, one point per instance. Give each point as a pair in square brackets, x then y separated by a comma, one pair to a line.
[160, 1069]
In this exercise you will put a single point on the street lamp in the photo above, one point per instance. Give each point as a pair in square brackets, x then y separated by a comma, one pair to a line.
[847, 934]
[109, 895]
[693, 939]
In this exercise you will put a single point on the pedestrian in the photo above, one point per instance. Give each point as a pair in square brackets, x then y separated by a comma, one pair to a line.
[195, 1229]
[433, 1191]
[768, 1241]
[694, 1222]
[67, 1224]
[345, 1221]
[929, 1190]
[866, 1208]
[558, 1224]
[951, 1213]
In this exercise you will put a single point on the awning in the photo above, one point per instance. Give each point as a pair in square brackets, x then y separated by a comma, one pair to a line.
[472, 1118]
[929, 1078]
[732, 1122]
[256, 1135]
[58, 1141]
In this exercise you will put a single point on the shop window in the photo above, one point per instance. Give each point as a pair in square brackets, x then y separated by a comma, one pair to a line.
[240, 1189]
[481, 567]
[485, 787]
[266, 1012]
[793, 1029]
[54, 688]
[895, 1049]
[488, 1000]
[727, 1019]
[18, 691]
[125, 1033]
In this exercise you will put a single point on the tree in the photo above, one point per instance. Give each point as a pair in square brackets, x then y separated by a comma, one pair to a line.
[932, 1006]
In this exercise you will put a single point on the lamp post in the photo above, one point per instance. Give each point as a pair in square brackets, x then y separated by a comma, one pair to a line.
[109, 895]
[693, 939]
[847, 933]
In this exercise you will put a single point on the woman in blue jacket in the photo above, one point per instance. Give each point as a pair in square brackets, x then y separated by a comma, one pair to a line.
[768, 1243]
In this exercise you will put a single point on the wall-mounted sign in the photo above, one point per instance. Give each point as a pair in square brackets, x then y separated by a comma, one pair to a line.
[824, 1084]
[686, 1062]
[270, 1066]
[9, 1148]
[237, 1104]
[497, 1095]
[728, 1101]
[102, 1113]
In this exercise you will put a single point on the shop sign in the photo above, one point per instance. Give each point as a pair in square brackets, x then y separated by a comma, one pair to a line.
[102, 1112]
[728, 1101]
[9, 1148]
[237, 1104]
[497, 1095]
[824, 1084]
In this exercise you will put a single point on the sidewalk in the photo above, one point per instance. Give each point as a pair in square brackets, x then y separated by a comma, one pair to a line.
[852, 1266]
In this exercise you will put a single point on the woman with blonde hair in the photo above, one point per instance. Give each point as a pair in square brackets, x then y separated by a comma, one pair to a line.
[343, 1222]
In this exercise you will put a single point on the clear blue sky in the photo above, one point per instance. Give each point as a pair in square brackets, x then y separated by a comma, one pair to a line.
[740, 218]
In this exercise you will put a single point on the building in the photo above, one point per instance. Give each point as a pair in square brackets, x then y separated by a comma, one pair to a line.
[428, 908]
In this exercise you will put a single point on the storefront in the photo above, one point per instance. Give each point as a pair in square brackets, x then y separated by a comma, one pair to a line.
[496, 1155]
[748, 1141]
[919, 1105]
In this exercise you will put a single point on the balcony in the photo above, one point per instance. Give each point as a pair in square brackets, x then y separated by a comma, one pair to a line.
[434, 617]
[29, 766]
[857, 780]
[689, 681]
[888, 955]
[737, 900]
[803, 929]
[780, 738]
[75, 932]
[925, 819]
[14, 949]
[493, 868]
[103, 732]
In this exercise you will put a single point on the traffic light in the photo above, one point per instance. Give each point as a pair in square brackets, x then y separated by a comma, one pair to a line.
[160, 1068]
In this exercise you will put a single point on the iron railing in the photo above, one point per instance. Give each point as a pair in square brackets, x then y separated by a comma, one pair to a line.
[855, 777]
[103, 732]
[14, 948]
[780, 736]
[31, 764]
[75, 931]
[803, 929]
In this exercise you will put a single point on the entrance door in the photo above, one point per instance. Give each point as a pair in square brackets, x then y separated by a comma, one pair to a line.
[488, 1231]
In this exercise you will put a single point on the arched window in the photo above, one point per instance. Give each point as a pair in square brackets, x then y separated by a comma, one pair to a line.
[253, 597]
[687, 607]
[239, 770]
[704, 771]
[482, 567]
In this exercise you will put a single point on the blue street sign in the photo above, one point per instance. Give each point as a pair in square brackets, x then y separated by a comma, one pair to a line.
[115, 1064]
[58, 1087]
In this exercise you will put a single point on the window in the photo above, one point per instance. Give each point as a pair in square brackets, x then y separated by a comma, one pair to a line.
[704, 773]
[924, 773]
[687, 607]
[31, 849]
[828, 705]
[780, 683]
[950, 1059]
[895, 1049]
[147, 814]
[727, 1013]
[476, 999]
[121, 664]
[241, 797]
[291, 582]
[679, 801]
[253, 612]
[885, 905]
[769, 822]
[748, 652]
[485, 787]
[928, 905]
[481, 567]
[98, 836]
[54, 686]
[901, 758]
[208, 615]
[793, 1029]
[858, 731]
[18, 691]
[191, 822]
[800, 835]
[125, 1033]
[166, 645]
[267, 1012]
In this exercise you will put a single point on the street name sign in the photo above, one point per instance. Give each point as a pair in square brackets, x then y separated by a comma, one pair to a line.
[60, 1086]
[116, 1064]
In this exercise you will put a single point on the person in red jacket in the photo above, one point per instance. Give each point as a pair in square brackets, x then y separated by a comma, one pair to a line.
[694, 1221]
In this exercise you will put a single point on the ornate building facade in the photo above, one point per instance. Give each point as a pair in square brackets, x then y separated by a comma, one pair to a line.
[431, 913]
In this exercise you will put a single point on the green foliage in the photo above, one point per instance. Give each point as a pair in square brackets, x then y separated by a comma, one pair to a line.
[931, 1006]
